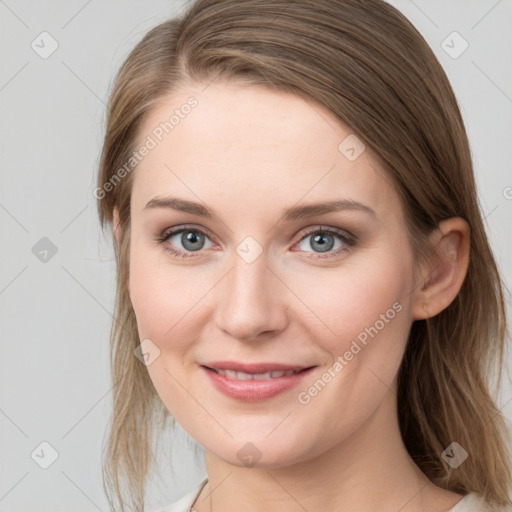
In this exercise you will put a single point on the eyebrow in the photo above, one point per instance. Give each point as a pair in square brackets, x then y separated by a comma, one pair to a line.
[287, 215]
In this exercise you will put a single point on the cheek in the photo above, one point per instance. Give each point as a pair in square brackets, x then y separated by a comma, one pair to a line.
[163, 299]
[163, 296]
[361, 319]
[347, 302]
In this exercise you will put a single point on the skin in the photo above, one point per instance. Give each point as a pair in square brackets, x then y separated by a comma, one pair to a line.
[248, 152]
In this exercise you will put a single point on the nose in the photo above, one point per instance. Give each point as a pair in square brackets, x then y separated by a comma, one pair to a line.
[251, 301]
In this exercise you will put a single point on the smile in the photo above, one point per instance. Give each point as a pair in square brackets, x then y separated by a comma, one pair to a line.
[255, 382]
[237, 375]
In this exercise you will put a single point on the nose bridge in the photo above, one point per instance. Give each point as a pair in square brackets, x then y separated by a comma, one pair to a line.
[249, 305]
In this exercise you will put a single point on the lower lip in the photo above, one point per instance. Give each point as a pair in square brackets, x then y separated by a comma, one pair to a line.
[254, 390]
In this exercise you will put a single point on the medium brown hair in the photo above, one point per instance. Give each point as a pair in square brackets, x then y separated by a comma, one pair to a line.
[365, 63]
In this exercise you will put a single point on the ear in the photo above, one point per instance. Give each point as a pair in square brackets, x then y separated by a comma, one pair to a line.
[116, 225]
[118, 230]
[441, 282]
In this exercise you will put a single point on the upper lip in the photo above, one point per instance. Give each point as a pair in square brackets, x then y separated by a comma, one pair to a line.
[253, 367]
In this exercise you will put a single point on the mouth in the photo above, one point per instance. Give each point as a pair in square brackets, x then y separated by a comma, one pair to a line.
[240, 375]
[255, 381]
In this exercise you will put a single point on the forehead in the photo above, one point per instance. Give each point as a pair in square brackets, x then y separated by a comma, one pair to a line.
[228, 142]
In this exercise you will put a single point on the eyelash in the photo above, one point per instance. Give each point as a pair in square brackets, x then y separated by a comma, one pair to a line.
[346, 238]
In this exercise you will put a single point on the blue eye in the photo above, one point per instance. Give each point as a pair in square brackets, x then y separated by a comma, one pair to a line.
[324, 240]
[192, 240]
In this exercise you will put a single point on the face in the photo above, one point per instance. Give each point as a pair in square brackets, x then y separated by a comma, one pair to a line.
[311, 306]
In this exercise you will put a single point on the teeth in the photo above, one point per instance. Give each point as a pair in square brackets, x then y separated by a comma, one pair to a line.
[234, 375]
[264, 376]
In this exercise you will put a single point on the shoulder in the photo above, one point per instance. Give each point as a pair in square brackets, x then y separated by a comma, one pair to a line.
[185, 502]
[472, 502]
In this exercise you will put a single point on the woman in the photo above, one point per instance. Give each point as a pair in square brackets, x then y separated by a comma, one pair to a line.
[303, 272]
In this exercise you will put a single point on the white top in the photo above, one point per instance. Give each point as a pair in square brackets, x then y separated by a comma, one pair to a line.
[469, 503]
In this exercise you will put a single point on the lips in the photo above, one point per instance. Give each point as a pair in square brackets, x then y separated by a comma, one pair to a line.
[253, 381]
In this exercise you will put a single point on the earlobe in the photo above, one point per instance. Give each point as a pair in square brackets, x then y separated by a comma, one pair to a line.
[442, 282]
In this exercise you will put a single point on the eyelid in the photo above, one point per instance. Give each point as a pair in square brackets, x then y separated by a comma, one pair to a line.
[326, 229]
[183, 227]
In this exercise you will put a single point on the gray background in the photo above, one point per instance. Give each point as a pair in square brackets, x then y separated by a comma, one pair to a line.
[55, 315]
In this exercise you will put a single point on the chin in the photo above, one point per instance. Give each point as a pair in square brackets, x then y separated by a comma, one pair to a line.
[260, 452]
